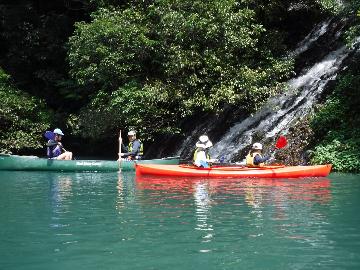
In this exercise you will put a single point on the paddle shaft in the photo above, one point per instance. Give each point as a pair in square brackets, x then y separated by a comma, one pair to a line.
[120, 143]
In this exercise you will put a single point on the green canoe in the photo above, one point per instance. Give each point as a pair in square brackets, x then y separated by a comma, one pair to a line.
[33, 163]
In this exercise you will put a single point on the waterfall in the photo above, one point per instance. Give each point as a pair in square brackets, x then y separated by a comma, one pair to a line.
[318, 31]
[280, 112]
[327, 55]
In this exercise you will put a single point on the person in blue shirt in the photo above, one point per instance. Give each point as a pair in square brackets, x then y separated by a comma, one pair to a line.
[55, 149]
[135, 149]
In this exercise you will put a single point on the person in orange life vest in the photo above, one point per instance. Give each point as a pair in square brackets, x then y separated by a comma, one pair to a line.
[254, 158]
[55, 149]
[135, 149]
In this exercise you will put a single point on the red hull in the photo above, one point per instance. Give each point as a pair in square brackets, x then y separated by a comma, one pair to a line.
[235, 171]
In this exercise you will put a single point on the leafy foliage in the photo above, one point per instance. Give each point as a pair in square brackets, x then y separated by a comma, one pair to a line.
[354, 31]
[177, 57]
[337, 125]
[110, 50]
[349, 9]
[23, 118]
[343, 155]
[145, 108]
[333, 6]
[33, 51]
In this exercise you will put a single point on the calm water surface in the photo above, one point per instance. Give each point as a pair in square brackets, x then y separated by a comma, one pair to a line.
[118, 221]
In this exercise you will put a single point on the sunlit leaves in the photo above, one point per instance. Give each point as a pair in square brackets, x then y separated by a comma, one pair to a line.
[333, 6]
[23, 118]
[110, 50]
[177, 57]
[337, 126]
[342, 154]
[147, 108]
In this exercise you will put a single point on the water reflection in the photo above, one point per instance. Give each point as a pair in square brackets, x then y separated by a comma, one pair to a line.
[203, 207]
[88, 219]
[60, 191]
[255, 192]
[120, 199]
[126, 191]
[268, 207]
[60, 195]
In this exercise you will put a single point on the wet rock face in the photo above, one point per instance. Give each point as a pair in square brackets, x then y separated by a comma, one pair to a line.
[325, 37]
[300, 138]
[213, 125]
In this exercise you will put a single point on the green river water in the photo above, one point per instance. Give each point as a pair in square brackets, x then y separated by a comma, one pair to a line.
[117, 221]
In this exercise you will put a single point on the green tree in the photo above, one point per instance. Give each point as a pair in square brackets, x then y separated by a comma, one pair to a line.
[349, 9]
[172, 59]
[354, 32]
[337, 126]
[23, 118]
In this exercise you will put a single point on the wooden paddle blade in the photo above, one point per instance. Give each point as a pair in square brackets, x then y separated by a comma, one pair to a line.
[281, 142]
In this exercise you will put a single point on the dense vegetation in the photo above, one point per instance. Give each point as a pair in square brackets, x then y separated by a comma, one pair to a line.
[94, 66]
[177, 57]
[337, 124]
[22, 118]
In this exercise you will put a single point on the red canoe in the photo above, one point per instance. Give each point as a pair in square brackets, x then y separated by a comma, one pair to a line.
[234, 171]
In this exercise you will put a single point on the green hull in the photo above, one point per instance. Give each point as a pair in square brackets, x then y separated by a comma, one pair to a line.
[32, 163]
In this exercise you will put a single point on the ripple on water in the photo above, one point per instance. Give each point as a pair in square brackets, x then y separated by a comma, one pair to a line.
[111, 221]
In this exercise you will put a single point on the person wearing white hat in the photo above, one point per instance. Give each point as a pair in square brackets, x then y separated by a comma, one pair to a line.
[55, 149]
[254, 158]
[135, 149]
[201, 156]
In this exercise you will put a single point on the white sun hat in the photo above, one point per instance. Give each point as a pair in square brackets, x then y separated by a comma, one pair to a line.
[257, 146]
[131, 133]
[204, 142]
[58, 131]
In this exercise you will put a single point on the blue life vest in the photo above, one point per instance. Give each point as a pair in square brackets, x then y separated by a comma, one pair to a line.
[53, 149]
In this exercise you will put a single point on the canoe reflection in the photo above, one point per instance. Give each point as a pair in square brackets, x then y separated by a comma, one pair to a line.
[306, 189]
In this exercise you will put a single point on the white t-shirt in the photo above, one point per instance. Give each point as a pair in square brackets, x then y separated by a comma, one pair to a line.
[200, 156]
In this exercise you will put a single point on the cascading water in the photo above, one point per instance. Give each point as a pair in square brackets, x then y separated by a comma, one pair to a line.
[281, 111]
[318, 31]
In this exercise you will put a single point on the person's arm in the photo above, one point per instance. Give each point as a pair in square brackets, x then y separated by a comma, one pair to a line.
[124, 148]
[258, 159]
[51, 143]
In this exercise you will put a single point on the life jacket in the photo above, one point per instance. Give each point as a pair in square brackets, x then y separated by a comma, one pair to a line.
[141, 150]
[53, 149]
[197, 150]
[250, 160]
